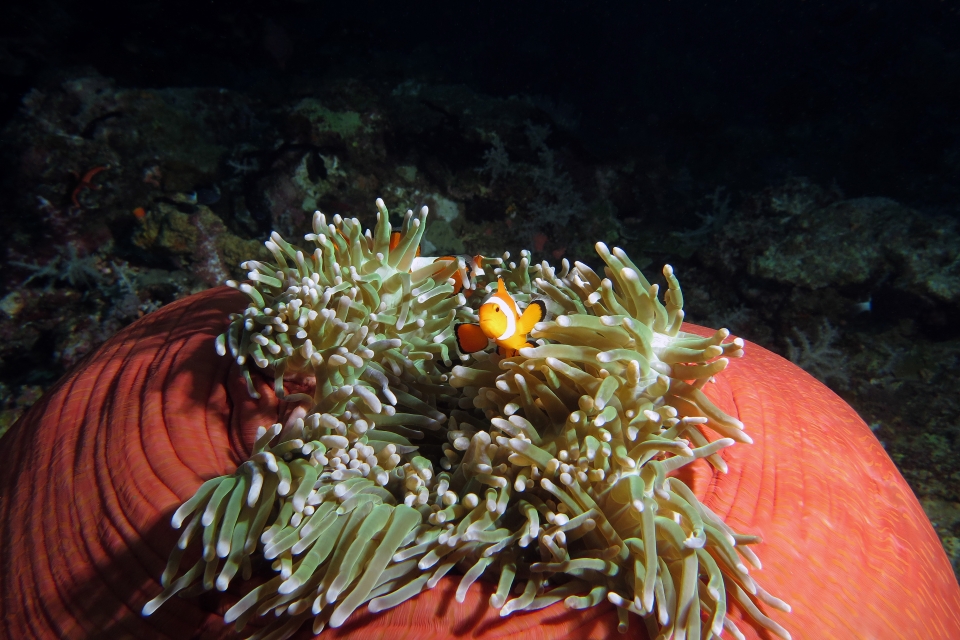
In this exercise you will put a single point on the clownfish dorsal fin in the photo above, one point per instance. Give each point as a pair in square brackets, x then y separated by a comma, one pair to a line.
[504, 295]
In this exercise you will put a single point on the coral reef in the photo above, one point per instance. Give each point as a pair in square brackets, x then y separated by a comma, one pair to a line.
[554, 472]
[556, 203]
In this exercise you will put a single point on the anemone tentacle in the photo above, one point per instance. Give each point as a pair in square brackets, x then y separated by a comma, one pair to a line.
[553, 472]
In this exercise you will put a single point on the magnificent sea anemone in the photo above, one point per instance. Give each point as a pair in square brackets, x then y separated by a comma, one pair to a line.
[587, 485]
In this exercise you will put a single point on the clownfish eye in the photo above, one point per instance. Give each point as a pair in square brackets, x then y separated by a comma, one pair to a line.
[496, 308]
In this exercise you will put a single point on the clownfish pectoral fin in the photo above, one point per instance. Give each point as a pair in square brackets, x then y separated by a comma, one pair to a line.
[470, 338]
[533, 314]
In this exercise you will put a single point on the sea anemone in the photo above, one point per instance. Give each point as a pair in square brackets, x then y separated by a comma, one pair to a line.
[91, 474]
[553, 473]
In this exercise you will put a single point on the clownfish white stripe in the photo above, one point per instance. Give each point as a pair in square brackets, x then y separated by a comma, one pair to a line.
[509, 312]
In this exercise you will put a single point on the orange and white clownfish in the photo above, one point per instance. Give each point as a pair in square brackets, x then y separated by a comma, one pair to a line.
[465, 278]
[500, 321]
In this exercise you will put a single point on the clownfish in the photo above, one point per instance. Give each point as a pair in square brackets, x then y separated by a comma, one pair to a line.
[465, 279]
[500, 321]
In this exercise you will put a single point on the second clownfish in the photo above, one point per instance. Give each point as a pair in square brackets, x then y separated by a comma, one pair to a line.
[464, 279]
[502, 322]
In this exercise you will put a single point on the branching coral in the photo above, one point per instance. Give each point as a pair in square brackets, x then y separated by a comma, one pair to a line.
[551, 472]
[821, 357]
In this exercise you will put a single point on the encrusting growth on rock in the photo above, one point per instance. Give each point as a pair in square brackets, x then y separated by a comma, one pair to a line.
[549, 472]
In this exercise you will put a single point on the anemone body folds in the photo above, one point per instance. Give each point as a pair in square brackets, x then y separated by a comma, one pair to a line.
[342, 472]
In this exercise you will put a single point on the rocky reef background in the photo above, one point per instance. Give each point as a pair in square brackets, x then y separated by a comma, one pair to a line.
[798, 165]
